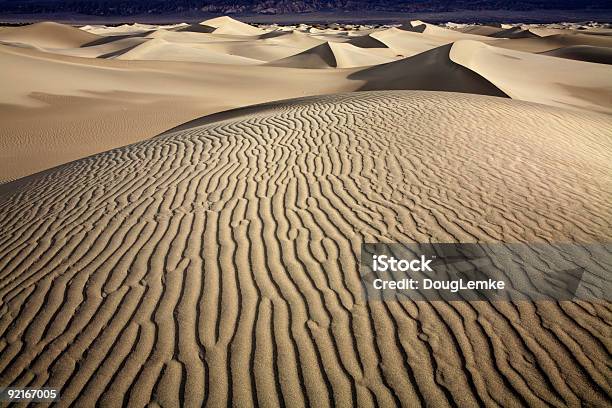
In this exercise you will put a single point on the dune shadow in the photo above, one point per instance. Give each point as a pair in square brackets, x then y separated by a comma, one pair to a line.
[431, 70]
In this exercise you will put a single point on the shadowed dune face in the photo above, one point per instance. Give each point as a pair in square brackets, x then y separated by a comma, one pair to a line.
[320, 56]
[217, 264]
[587, 53]
[538, 78]
[432, 70]
[228, 26]
[543, 44]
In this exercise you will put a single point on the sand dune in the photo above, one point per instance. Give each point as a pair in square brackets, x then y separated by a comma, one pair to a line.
[217, 264]
[587, 53]
[350, 56]
[514, 33]
[162, 50]
[197, 28]
[543, 44]
[127, 29]
[149, 78]
[444, 34]
[407, 43]
[320, 56]
[432, 70]
[269, 48]
[47, 35]
[110, 49]
[336, 55]
[292, 38]
[189, 37]
[417, 37]
[533, 31]
[485, 30]
[571, 83]
[475, 67]
[229, 26]
[366, 41]
[548, 31]
[597, 31]
[85, 106]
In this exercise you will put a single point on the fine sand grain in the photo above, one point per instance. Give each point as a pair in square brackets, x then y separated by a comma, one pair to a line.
[217, 264]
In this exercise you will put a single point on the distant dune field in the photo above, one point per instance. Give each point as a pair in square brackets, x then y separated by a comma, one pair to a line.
[94, 88]
[217, 263]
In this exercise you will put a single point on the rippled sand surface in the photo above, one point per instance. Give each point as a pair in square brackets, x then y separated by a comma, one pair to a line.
[216, 264]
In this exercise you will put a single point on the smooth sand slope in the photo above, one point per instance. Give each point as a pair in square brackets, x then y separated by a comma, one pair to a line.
[162, 50]
[586, 53]
[48, 34]
[228, 26]
[538, 78]
[84, 106]
[217, 264]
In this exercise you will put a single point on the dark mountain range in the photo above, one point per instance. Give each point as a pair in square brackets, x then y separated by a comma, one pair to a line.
[136, 7]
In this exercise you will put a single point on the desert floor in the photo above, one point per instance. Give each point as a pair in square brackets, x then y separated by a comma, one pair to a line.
[176, 231]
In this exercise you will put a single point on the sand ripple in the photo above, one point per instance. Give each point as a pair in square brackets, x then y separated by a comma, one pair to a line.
[217, 264]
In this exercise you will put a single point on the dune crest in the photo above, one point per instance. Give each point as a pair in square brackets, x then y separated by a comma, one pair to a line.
[407, 43]
[47, 35]
[161, 50]
[229, 26]
[336, 55]
[432, 70]
[443, 34]
[538, 78]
